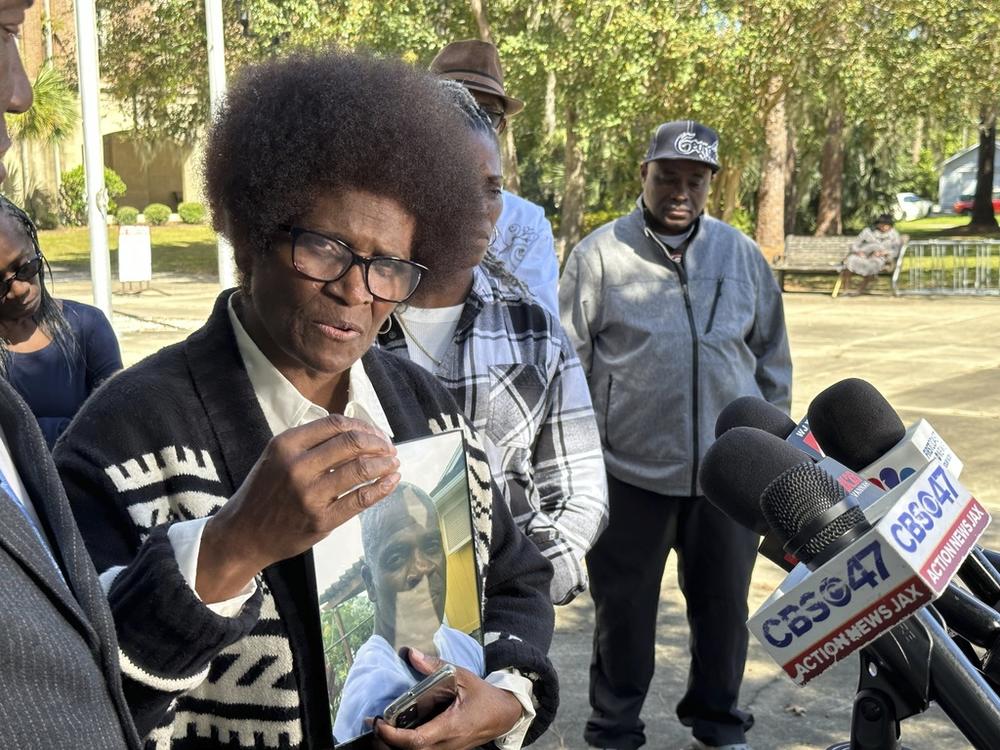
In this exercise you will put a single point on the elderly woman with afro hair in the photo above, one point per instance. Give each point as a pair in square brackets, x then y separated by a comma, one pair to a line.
[231, 453]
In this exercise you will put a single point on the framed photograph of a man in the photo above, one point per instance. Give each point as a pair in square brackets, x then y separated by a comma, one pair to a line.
[402, 574]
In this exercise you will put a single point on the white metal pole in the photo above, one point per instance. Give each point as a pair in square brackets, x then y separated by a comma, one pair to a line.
[93, 153]
[47, 33]
[216, 91]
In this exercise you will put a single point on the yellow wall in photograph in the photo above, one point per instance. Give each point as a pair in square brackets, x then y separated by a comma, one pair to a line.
[462, 600]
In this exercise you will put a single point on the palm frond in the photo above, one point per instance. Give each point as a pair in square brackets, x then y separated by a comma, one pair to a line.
[55, 111]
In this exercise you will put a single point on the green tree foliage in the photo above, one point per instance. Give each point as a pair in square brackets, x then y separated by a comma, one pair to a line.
[888, 89]
[192, 212]
[51, 120]
[345, 628]
[127, 215]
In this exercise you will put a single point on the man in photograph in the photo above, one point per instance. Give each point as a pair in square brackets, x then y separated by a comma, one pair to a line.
[405, 573]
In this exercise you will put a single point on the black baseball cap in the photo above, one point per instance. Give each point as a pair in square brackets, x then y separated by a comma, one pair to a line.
[685, 139]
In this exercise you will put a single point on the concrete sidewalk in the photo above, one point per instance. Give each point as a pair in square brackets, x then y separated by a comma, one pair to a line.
[936, 358]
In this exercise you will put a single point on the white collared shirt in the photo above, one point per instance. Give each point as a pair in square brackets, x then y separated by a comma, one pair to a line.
[10, 471]
[284, 407]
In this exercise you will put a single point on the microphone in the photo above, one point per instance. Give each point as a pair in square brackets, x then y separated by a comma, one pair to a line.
[737, 468]
[751, 411]
[857, 426]
[740, 465]
[734, 472]
[811, 512]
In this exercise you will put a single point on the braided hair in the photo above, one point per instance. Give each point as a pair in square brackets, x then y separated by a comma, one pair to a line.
[479, 122]
[475, 117]
[49, 316]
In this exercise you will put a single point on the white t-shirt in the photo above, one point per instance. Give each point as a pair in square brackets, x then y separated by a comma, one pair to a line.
[429, 332]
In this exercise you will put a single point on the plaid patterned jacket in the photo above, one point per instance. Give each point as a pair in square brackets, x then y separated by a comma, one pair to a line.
[517, 378]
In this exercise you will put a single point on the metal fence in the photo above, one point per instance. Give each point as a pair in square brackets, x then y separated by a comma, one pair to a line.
[952, 267]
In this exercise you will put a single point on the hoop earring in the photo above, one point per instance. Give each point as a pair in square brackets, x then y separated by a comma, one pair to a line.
[386, 327]
[495, 236]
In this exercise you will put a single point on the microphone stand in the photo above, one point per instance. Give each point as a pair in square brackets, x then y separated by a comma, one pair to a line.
[938, 670]
[878, 709]
[979, 573]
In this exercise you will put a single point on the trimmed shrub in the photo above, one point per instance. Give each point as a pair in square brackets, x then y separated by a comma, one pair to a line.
[127, 215]
[72, 195]
[191, 212]
[156, 214]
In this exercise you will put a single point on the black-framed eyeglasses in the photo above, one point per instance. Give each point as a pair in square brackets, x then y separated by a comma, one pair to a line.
[25, 272]
[323, 258]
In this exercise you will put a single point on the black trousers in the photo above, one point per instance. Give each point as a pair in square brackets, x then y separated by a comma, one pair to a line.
[715, 559]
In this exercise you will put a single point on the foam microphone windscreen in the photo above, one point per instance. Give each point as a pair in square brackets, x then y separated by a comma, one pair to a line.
[751, 411]
[854, 424]
[738, 466]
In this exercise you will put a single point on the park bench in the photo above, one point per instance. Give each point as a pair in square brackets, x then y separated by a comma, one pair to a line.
[808, 254]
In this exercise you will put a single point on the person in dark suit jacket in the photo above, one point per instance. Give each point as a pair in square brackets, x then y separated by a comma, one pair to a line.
[58, 654]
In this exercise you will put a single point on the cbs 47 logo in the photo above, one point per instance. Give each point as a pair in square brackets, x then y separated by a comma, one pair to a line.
[864, 568]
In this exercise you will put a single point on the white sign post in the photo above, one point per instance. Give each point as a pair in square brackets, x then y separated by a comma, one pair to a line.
[135, 256]
[93, 153]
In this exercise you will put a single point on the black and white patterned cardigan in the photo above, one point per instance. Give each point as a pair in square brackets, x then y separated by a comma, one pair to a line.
[171, 439]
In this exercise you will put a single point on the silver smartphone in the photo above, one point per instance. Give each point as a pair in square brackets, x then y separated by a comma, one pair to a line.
[423, 701]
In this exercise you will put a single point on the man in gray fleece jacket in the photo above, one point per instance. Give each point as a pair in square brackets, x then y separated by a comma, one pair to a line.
[674, 314]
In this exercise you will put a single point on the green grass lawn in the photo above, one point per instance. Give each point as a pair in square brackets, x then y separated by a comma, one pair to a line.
[936, 226]
[930, 226]
[177, 248]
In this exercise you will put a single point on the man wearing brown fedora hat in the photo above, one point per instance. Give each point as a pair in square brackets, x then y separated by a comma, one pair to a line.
[523, 241]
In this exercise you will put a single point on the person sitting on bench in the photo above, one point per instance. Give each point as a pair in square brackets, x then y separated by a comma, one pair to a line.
[876, 249]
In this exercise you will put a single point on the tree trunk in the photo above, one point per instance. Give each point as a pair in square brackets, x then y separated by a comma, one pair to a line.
[731, 191]
[771, 194]
[983, 219]
[482, 20]
[918, 141]
[571, 211]
[508, 151]
[22, 153]
[714, 205]
[791, 186]
[550, 105]
[511, 177]
[57, 167]
[831, 169]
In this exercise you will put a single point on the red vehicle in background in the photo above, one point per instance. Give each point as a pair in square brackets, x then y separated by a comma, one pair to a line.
[964, 203]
